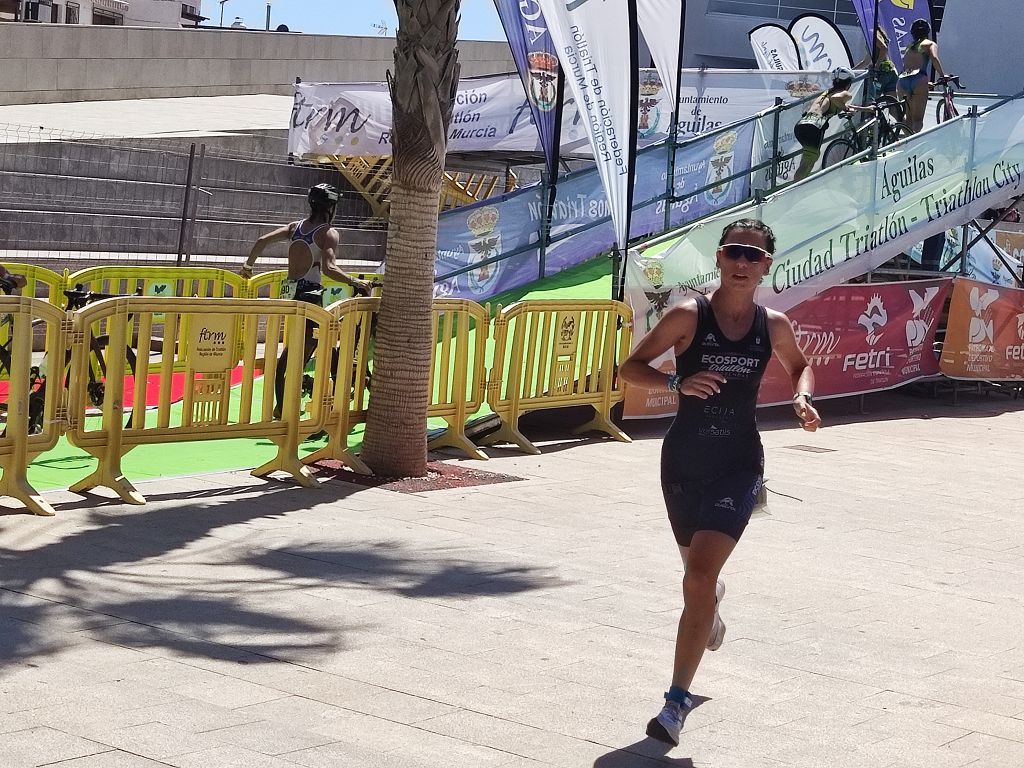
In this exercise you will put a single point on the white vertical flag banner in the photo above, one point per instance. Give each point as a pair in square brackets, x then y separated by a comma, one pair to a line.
[594, 46]
[820, 44]
[774, 48]
[660, 22]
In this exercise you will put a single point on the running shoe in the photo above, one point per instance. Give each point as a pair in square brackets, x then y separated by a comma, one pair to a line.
[717, 636]
[669, 722]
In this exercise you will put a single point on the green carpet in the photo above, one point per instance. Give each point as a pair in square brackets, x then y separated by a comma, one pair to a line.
[65, 464]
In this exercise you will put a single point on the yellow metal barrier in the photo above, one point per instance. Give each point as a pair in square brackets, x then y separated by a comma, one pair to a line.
[198, 336]
[554, 354]
[32, 411]
[161, 282]
[267, 285]
[350, 399]
[41, 283]
[458, 370]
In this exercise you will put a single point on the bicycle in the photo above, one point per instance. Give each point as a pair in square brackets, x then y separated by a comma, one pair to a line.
[857, 139]
[97, 372]
[946, 110]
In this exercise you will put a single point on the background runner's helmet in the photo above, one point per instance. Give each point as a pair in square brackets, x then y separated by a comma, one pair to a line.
[323, 196]
[842, 75]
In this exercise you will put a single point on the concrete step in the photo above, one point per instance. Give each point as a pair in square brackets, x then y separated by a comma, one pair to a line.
[101, 232]
[72, 194]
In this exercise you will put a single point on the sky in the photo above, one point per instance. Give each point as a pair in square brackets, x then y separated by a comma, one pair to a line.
[347, 17]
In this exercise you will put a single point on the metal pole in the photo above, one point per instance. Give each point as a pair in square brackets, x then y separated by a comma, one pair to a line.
[268, 16]
[545, 223]
[775, 144]
[670, 185]
[198, 174]
[184, 206]
[222, 3]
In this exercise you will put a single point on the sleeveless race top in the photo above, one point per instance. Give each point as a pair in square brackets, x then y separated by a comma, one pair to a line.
[723, 428]
[309, 238]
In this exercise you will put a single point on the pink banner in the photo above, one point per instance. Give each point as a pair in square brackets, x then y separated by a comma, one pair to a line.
[864, 338]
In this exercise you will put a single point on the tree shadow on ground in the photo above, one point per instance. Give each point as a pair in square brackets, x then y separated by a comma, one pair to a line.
[386, 567]
[112, 579]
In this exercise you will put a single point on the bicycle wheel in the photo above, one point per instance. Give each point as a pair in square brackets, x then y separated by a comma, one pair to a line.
[945, 111]
[897, 132]
[837, 151]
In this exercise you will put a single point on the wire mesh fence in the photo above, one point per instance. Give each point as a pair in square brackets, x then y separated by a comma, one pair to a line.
[71, 200]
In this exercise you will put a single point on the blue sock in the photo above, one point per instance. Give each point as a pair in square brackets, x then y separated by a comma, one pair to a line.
[677, 694]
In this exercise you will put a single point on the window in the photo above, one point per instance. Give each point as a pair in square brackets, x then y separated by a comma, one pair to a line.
[106, 18]
[841, 12]
[71, 13]
[31, 11]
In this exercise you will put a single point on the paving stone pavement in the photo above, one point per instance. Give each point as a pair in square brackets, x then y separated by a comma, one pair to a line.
[874, 612]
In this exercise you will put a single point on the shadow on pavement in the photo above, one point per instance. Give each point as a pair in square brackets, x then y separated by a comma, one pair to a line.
[648, 753]
[171, 575]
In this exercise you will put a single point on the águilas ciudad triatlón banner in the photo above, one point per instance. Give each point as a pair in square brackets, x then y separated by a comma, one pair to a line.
[859, 338]
[985, 334]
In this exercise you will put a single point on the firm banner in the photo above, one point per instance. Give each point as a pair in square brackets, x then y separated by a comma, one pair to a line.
[864, 338]
[985, 333]
[859, 338]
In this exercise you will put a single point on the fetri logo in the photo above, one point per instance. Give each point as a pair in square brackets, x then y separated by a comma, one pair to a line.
[907, 5]
[1020, 326]
[873, 319]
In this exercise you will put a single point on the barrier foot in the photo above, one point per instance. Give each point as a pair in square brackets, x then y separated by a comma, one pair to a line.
[458, 440]
[602, 423]
[344, 455]
[105, 478]
[299, 472]
[507, 433]
[19, 488]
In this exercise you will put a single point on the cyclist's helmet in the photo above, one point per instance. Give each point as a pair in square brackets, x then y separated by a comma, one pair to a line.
[920, 29]
[323, 196]
[842, 76]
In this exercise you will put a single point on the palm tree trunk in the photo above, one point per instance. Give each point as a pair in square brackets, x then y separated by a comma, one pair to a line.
[422, 95]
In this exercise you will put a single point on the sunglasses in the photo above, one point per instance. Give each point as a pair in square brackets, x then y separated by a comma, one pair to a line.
[737, 251]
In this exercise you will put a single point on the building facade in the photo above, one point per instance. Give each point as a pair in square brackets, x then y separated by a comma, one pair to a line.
[138, 13]
[717, 30]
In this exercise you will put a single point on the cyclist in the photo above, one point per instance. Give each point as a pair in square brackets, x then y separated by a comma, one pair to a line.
[913, 81]
[311, 253]
[712, 461]
[810, 131]
[884, 78]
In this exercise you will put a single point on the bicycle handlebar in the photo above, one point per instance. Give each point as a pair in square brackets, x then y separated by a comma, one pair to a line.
[951, 79]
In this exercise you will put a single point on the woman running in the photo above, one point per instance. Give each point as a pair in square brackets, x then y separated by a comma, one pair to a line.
[712, 463]
[913, 82]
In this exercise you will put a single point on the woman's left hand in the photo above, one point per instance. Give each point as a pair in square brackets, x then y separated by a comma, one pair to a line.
[808, 415]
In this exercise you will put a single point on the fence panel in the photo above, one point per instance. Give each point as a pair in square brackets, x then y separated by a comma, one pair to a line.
[196, 382]
[458, 370]
[40, 282]
[557, 354]
[32, 412]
